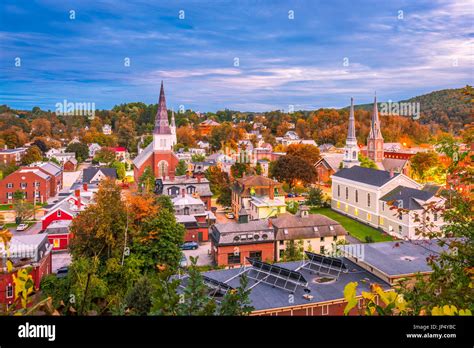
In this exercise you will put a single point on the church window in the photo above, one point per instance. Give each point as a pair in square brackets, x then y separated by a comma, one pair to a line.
[162, 169]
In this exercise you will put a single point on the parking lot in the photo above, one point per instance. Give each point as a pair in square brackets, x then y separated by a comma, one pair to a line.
[203, 253]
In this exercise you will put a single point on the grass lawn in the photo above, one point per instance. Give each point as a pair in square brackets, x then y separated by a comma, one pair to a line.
[356, 229]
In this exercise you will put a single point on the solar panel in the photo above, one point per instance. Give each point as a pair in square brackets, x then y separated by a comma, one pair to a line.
[324, 264]
[275, 276]
[216, 285]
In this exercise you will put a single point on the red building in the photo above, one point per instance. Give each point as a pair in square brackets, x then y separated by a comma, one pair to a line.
[58, 234]
[70, 165]
[232, 243]
[24, 251]
[56, 174]
[67, 209]
[12, 156]
[34, 183]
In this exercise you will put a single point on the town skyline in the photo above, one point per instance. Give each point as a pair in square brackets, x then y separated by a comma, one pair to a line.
[260, 60]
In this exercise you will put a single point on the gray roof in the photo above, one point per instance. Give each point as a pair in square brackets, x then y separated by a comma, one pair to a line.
[25, 249]
[399, 257]
[225, 233]
[89, 173]
[394, 164]
[264, 296]
[364, 175]
[201, 185]
[51, 168]
[333, 160]
[407, 196]
[298, 227]
[143, 156]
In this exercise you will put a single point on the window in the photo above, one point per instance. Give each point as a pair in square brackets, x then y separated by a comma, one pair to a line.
[369, 217]
[368, 199]
[347, 193]
[56, 243]
[400, 229]
[9, 291]
[256, 254]
[282, 253]
[10, 185]
[381, 220]
[233, 258]
[360, 303]
[338, 191]
[23, 185]
[173, 191]
[9, 195]
[334, 238]
[282, 242]
[321, 249]
[190, 189]
[435, 216]
[383, 206]
[356, 212]
[322, 239]
[338, 204]
[186, 210]
[325, 309]
[357, 196]
[37, 184]
[58, 213]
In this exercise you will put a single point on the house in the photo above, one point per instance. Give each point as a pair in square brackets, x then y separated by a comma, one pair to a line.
[197, 185]
[34, 183]
[205, 127]
[121, 153]
[70, 165]
[329, 164]
[107, 129]
[93, 148]
[233, 242]
[53, 151]
[364, 193]
[193, 214]
[159, 155]
[26, 251]
[63, 157]
[12, 156]
[257, 188]
[55, 172]
[93, 175]
[266, 207]
[203, 145]
[308, 142]
[58, 234]
[326, 148]
[318, 233]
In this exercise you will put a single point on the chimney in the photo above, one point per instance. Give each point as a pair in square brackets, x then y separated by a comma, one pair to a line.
[271, 193]
[199, 178]
[391, 173]
[183, 192]
[84, 186]
[270, 223]
[77, 193]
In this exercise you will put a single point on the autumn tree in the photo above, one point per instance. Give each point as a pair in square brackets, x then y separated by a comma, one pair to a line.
[185, 135]
[104, 155]
[41, 127]
[307, 152]
[422, 162]
[33, 154]
[292, 169]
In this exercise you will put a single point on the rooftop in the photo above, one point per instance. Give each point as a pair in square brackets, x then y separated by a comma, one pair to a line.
[364, 175]
[408, 197]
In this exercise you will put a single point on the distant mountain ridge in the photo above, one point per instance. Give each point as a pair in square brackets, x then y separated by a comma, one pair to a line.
[447, 108]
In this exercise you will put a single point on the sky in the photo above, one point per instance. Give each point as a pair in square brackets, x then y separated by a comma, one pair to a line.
[255, 55]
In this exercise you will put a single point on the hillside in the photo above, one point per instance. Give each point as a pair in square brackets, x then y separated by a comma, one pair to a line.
[448, 108]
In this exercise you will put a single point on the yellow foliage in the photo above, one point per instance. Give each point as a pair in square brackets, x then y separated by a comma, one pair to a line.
[350, 296]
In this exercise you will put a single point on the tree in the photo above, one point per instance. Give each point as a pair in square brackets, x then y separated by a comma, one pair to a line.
[41, 145]
[138, 299]
[366, 162]
[99, 230]
[185, 136]
[32, 155]
[41, 127]
[237, 302]
[238, 169]
[225, 197]
[422, 162]
[104, 155]
[181, 168]
[81, 150]
[292, 170]
[7, 168]
[120, 167]
[23, 209]
[258, 169]
[126, 133]
[146, 182]
[307, 152]
[198, 157]
[315, 197]
[294, 251]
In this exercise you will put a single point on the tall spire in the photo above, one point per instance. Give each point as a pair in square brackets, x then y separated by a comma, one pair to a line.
[161, 118]
[351, 131]
[173, 123]
[375, 132]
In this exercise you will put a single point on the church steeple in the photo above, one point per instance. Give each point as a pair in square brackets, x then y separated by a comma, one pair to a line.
[351, 150]
[161, 118]
[375, 139]
[173, 128]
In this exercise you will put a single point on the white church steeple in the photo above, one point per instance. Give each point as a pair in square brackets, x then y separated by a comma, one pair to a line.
[351, 150]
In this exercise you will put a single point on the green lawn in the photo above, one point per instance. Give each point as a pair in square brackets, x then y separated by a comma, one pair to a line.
[355, 228]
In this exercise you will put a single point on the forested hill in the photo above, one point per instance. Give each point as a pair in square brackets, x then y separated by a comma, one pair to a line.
[448, 108]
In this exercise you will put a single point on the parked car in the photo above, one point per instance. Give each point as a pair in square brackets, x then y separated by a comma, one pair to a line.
[230, 215]
[62, 272]
[189, 246]
[22, 227]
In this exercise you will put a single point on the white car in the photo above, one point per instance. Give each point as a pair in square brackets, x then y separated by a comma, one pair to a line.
[230, 215]
[22, 227]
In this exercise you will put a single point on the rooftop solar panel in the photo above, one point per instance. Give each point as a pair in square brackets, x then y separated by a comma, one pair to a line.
[324, 264]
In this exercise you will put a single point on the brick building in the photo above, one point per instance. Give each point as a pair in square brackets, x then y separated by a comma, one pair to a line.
[12, 156]
[205, 127]
[34, 183]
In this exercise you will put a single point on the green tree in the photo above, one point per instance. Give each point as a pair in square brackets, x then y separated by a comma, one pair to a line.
[198, 157]
[366, 162]
[120, 167]
[23, 209]
[315, 197]
[238, 169]
[237, 302]
[294, 250]
[181, 168]
[104, 155]
[81, 150]
[225, 197]
[32, 155]
[258, 169]
[422, 162]
[139, 299]
[146, 182]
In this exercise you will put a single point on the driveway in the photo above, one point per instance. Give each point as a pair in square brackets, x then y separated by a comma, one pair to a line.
[34, 229]
[204, 258]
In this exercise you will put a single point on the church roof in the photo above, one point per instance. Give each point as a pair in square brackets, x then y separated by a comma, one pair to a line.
[143, 156]
[375, 132]
[161, 119]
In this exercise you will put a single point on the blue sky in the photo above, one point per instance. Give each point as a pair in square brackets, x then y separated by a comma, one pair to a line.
[281, 61]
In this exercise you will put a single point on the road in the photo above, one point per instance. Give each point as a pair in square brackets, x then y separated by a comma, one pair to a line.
[203, 252]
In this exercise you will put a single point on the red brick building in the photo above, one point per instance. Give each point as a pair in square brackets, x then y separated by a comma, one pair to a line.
[232, 243]
[12, 156]
[56, 174]
[32, 182]
[25, 251]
